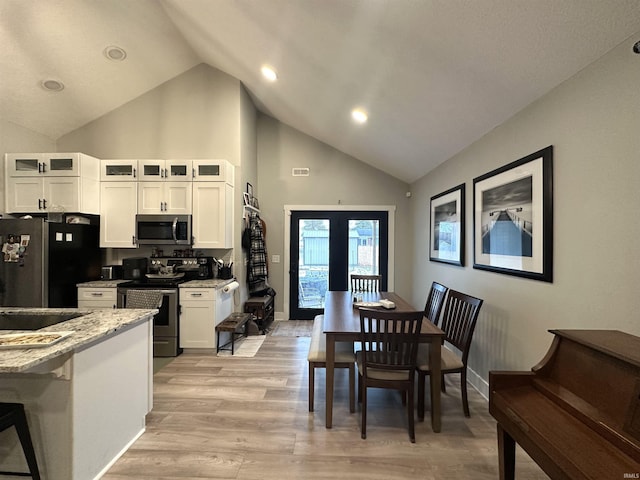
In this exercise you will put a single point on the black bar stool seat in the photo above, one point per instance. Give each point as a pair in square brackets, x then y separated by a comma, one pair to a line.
[12, 415]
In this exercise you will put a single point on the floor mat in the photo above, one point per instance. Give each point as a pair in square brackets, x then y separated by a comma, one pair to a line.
[292, 328]
[244, 347]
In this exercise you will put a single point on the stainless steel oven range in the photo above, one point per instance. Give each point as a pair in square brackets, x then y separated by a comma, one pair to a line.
[166, 341]
[165, 275]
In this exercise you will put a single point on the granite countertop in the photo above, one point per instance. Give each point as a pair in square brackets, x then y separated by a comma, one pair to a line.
[93, 327]
[101, 283]
[208, 283]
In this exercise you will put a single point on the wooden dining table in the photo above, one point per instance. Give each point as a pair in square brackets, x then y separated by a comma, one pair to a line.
[342, 324]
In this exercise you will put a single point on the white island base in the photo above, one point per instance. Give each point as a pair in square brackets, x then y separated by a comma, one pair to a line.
[84, 408]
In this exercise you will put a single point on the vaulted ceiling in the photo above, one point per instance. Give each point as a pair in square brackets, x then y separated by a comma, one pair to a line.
[433, 75]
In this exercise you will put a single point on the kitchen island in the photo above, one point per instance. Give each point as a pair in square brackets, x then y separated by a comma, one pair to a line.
[86, 396]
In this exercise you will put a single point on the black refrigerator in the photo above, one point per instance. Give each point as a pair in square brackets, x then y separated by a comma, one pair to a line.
[42, 262]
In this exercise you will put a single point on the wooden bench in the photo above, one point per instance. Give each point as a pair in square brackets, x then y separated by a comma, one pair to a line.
[236, 325]
[344, 358]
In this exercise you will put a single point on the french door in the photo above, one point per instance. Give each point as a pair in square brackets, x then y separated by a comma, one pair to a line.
[326, 247]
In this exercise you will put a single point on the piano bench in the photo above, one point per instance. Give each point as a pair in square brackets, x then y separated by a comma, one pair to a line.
[563, 445]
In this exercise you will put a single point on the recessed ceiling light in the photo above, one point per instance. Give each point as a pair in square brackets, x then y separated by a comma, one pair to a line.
[359, 115]
[269, 73]
[51, 85]
[114, 53]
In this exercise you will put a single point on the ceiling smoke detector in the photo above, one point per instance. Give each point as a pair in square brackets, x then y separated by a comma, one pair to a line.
[114, 53]
[51, 85]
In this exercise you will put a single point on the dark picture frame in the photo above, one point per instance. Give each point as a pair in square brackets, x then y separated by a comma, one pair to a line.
[446, 232]
[513, 218]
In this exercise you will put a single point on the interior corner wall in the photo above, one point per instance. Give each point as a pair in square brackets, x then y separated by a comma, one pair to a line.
[248, 173]
[194, 115]
[202, 113]
[17, 139]
[592, 120]
[335, 178]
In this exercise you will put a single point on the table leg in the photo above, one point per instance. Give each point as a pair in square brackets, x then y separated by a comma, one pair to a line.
[329, 367]
[435, 383]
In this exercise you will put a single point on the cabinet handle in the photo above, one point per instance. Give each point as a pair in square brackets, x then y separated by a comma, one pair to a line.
[44, 203]
[39, 204]
[39, 167]
[96, 294]
[44, 167]
[193, 173]
[133, 240]
[134, 173]
[196, 294]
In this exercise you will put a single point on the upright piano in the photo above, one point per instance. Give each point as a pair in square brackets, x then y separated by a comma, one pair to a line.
[577, 412]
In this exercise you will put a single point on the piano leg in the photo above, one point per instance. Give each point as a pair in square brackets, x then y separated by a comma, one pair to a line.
[506, 454]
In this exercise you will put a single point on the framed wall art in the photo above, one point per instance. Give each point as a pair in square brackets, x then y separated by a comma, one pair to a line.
[513, 218]
[446, 233]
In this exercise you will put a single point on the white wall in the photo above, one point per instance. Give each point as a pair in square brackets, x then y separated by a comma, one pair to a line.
[335, 178]
[593, 123]
[202, 113]
[17, 139]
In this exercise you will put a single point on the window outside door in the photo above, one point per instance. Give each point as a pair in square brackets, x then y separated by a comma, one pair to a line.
[326, 248]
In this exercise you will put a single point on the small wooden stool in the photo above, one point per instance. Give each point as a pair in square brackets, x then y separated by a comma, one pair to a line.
[232, 325]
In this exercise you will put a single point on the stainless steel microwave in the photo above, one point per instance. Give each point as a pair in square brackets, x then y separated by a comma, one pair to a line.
[163, 229]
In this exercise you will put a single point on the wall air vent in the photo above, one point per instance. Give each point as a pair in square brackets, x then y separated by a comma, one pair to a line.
[300, 172]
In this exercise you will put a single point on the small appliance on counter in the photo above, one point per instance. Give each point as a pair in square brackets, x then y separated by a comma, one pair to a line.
[135, 268]
[111, 272]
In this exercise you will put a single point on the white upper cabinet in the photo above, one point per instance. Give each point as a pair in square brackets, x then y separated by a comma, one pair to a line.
[118, 170]
[118, 208]
[164, 197]
[45, 182]
[51, 165]
[213, 171]
[212, 215]
[165, 170]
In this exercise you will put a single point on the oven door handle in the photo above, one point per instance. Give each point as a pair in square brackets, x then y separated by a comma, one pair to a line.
[174, 228]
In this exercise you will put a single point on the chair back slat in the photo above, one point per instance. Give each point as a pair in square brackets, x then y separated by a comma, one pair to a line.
[389, 339]
[435, 302]
[365, 283]
[459, 320]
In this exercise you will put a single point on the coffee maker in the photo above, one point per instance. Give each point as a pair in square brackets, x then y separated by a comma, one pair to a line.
[205, 267]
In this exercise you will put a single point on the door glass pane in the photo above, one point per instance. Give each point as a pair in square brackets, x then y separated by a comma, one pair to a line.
[26, 165]
[313, 269]
[61, 164]
[178, 171]
[119, 170]
[364, 247]
[151, 170]
[209, 170]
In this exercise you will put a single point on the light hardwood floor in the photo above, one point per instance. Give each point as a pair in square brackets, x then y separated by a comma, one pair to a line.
[248, 419]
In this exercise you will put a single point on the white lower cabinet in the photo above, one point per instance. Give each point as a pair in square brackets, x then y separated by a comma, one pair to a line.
[99, 298]
[201, 309]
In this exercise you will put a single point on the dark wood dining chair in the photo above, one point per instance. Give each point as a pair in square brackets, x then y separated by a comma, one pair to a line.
[12, 415]
[435, 302]
[365, 283]
[389, 342]
[458, 323]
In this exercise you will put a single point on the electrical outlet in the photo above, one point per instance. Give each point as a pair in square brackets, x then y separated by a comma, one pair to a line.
[275, 258]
